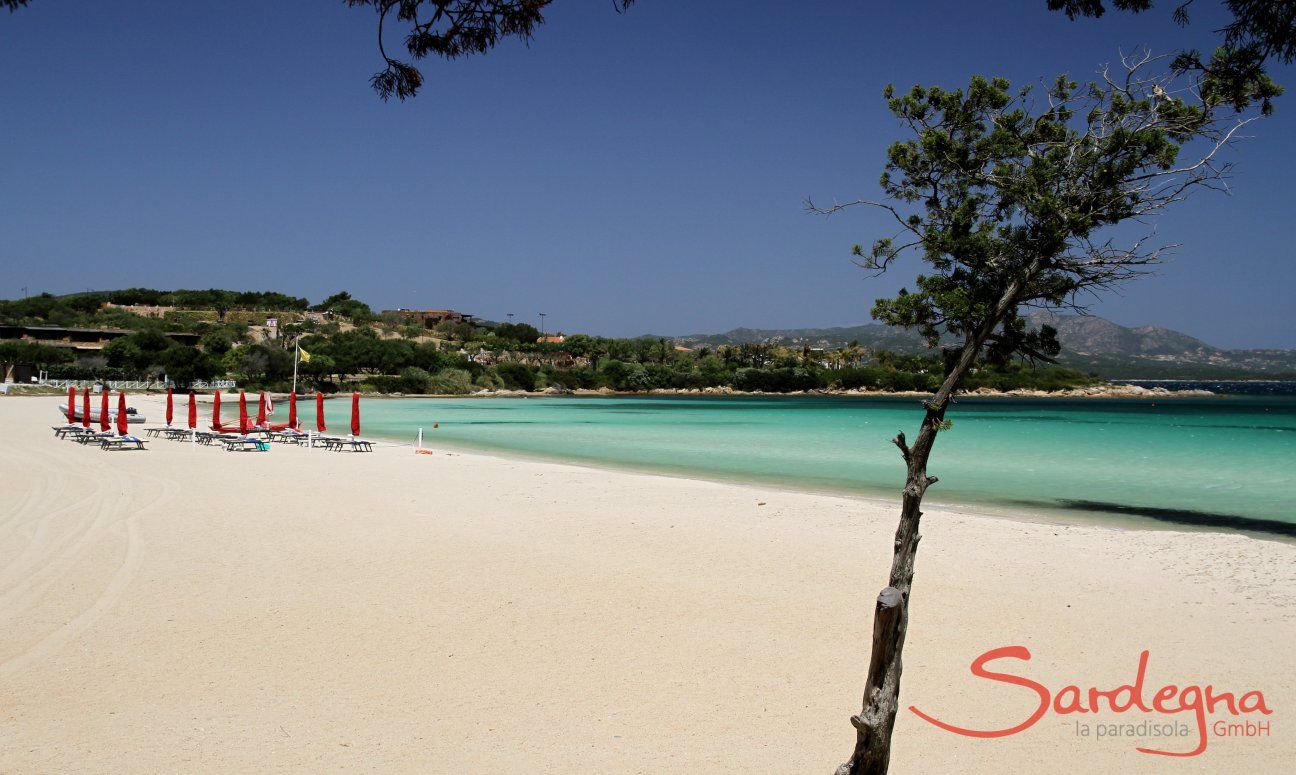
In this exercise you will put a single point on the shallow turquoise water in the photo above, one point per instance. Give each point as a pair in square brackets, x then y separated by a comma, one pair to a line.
[1218, 461]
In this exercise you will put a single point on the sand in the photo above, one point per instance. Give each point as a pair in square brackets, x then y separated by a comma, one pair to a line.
[188, 609]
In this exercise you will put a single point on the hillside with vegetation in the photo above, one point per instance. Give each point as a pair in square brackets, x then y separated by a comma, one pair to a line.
[349, 347]
[1089, 343]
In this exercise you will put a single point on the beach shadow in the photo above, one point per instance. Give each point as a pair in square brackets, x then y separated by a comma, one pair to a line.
[1188, 517]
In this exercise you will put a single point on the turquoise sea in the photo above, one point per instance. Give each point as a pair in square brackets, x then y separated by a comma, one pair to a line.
[1221, 461]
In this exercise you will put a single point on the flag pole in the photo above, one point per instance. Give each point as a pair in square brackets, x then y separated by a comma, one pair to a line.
[296, 357]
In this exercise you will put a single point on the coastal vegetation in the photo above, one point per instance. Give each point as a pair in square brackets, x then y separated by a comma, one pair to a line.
[350, 347]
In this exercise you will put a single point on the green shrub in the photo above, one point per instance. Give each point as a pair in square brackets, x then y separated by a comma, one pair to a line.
[489, 380]
[517, 376]
[579, 378]
[414, 380]
[780, 380]
[451, 381]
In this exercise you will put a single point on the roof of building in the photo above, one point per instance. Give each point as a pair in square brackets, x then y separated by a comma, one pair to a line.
[104, 332]
[69, 329]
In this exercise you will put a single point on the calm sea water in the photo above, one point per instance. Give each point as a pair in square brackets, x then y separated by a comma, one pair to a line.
[1224, 461]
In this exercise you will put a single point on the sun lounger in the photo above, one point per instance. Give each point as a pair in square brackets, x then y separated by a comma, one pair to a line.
[94, 437]
[245, 444]
[167, 431]
[287, 436]
[351, 445]
[206, 438]
[121, 442]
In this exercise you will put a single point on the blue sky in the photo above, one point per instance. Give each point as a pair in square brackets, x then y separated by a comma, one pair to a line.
[624, 174]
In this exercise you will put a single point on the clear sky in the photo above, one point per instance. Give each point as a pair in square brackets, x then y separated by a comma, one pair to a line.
[631, 174]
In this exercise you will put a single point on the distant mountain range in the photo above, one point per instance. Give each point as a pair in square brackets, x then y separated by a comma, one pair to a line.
[1088, 342]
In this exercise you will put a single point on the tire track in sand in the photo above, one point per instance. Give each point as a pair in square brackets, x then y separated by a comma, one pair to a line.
[120, 579]
[33, 496]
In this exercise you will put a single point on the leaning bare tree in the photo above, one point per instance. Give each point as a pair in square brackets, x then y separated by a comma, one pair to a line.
[1006, 197]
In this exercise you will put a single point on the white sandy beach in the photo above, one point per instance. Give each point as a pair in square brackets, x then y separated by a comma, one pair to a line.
[186, 609]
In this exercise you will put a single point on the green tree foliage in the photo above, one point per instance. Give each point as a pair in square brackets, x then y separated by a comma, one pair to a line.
[150, 353]
[1235, 73]
[259, 363]
[39, 355]
[398, 363]
[394, 364]
[47, 309]
[183, 365]
[89, 310]
[519, 333]
[456, 332]
[455, 382]
[318, 369]
[216, 343]
[341, 303]
[446, 28]
[517, 376]
[1006, 201]
[414, 380]
[140, 352]
[488, 380]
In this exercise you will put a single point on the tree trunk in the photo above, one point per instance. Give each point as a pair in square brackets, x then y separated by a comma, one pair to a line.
[874, 724]
[876, 721]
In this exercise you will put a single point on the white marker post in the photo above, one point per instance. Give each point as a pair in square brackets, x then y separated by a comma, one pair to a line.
[420, 439]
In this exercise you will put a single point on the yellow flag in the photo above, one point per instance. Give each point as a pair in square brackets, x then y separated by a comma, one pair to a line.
[305, 356]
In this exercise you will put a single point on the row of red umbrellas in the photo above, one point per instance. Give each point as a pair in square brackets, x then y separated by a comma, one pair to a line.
[104, 423]
[244, 424]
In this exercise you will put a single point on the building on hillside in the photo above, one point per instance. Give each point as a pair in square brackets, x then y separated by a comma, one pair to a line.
[143, 310]
[559, 339]
[429, 318]
[79, 339]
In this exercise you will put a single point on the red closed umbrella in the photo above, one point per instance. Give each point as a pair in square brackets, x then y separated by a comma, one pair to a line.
[193, 410]
[170, 412]
[104, 424]
[85, 408]
[319, 412]
[122, 430]
[292, 410]
[216, 423]
[261, 410]
[71, 412]
[355, 414]
[243, 415]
